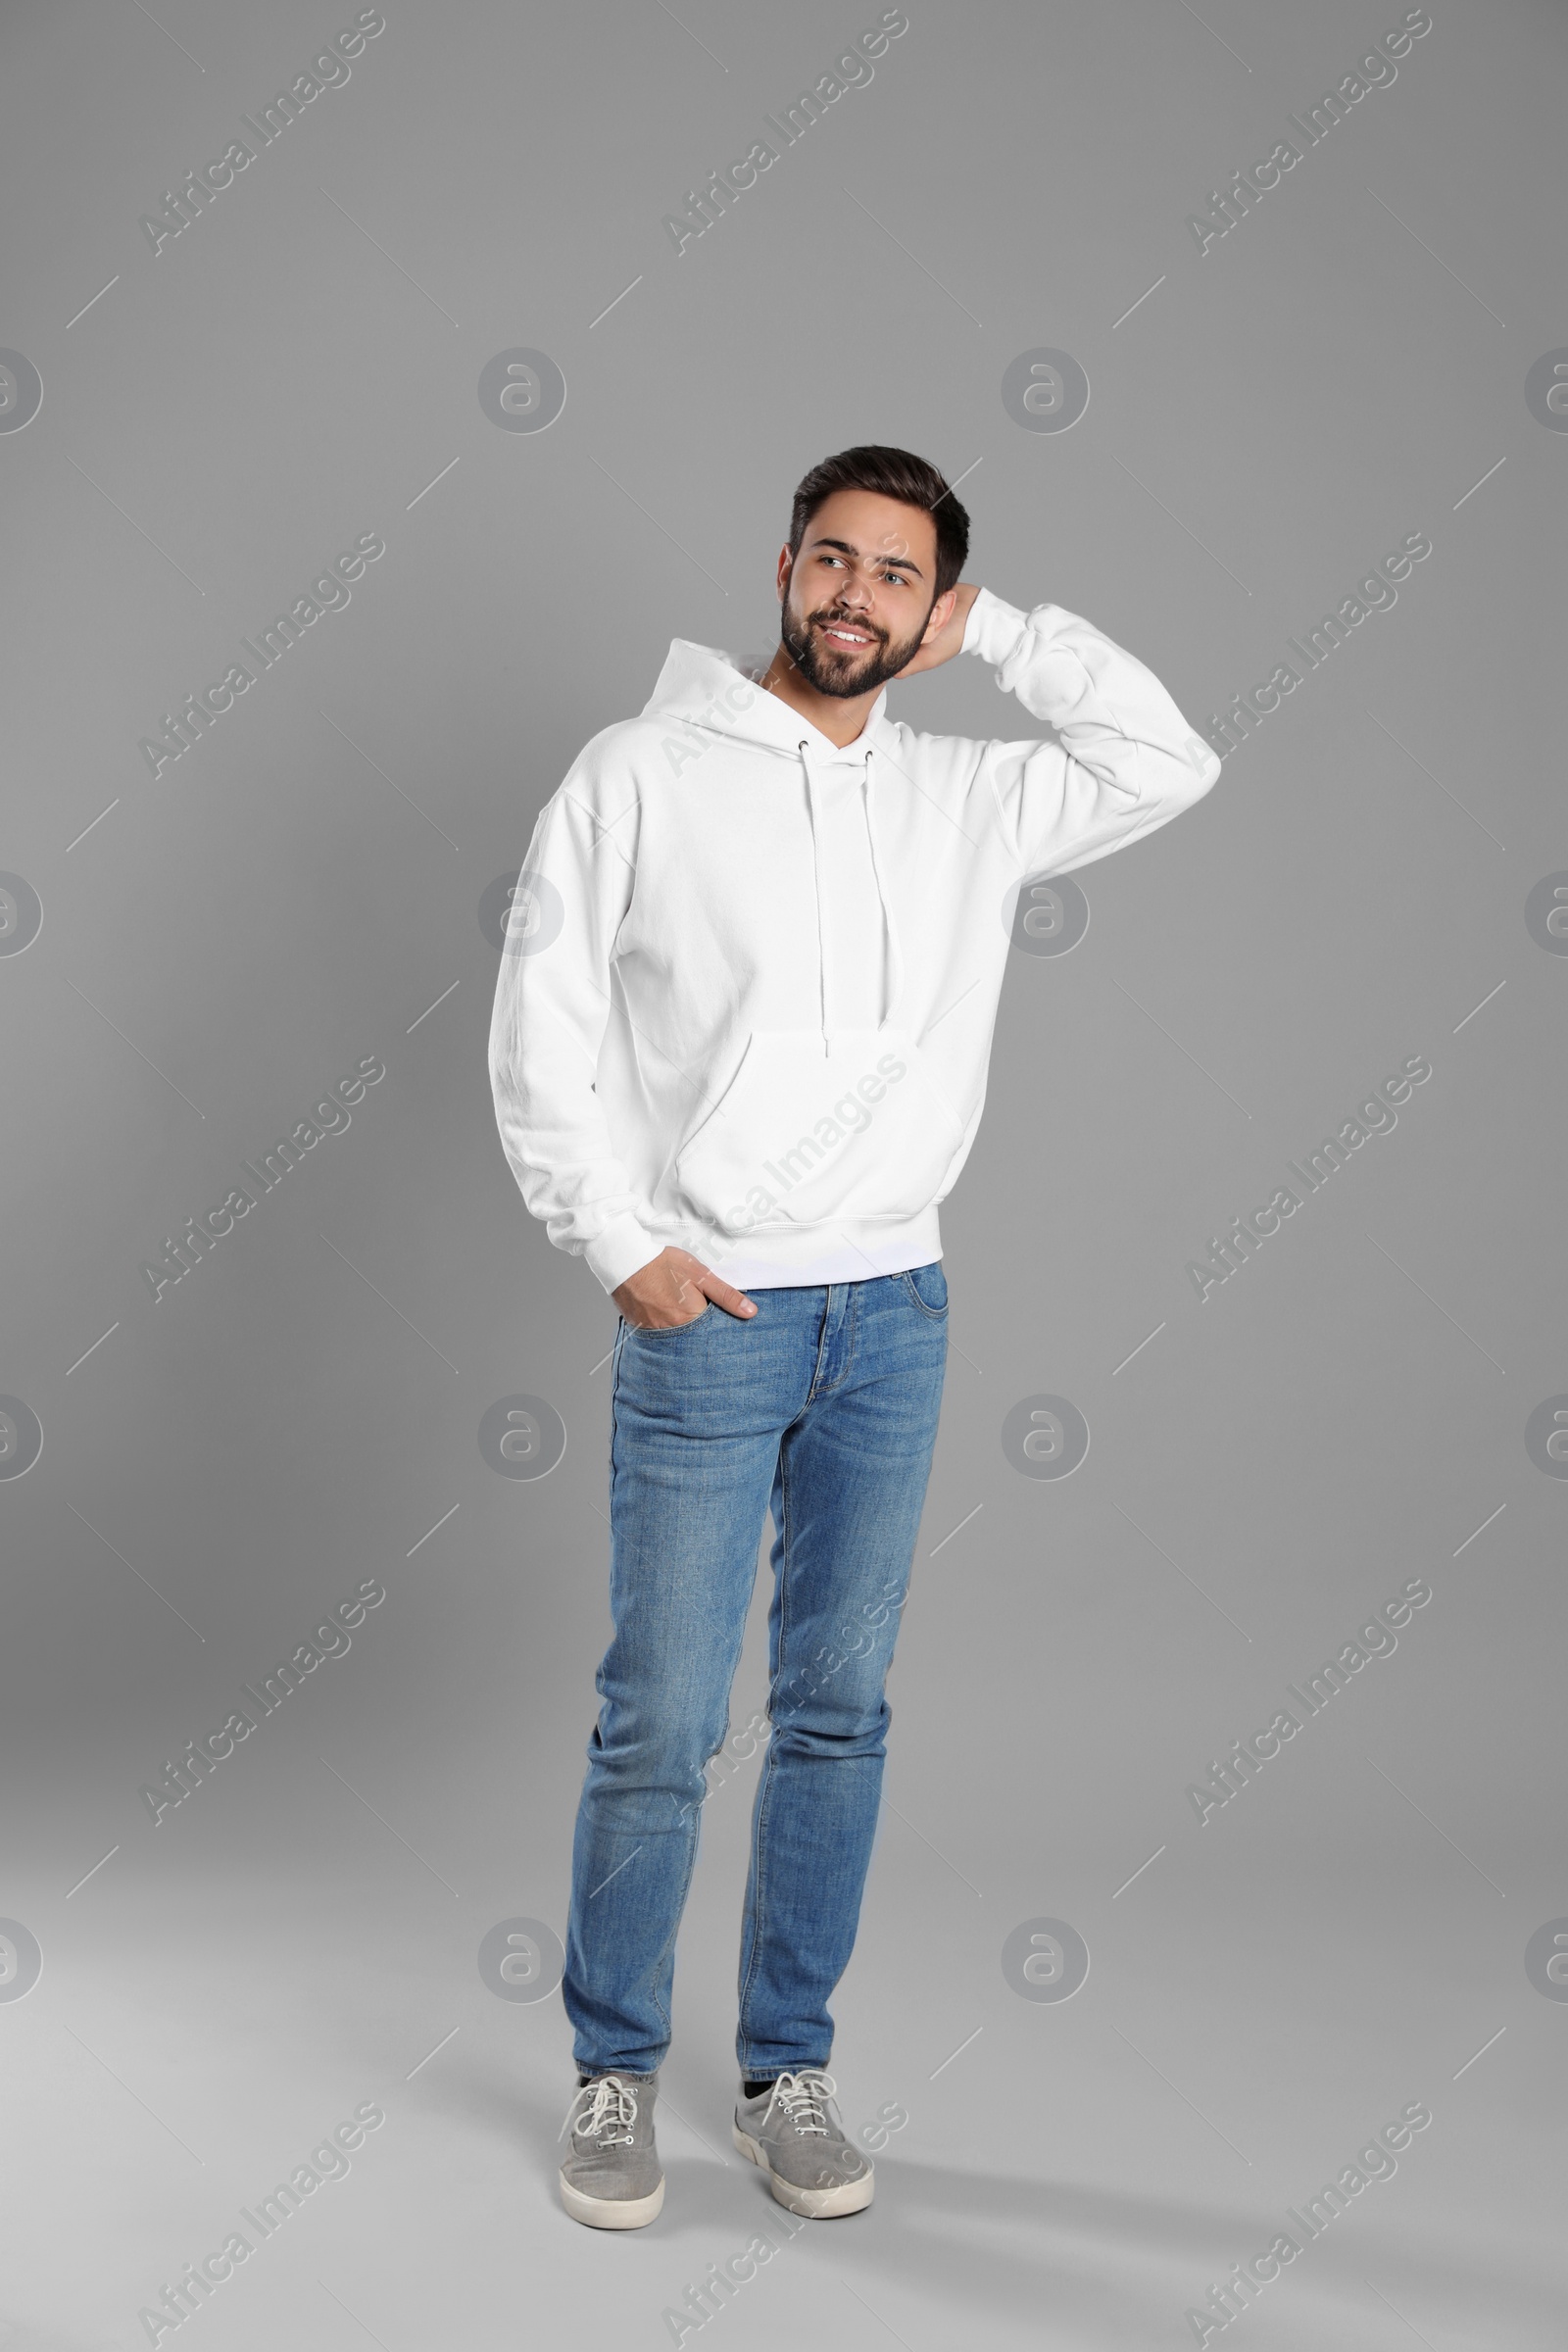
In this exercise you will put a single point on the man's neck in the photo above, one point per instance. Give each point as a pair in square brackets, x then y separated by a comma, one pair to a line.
[841, 720]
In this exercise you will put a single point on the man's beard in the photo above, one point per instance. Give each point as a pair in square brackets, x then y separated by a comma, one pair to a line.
[834, 669]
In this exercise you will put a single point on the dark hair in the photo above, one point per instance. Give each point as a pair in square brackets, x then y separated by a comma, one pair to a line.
[891, 473]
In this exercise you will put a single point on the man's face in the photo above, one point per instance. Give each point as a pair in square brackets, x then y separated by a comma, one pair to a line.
[859, 594]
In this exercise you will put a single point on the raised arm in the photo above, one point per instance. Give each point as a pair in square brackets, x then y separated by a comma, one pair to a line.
[1126, 761]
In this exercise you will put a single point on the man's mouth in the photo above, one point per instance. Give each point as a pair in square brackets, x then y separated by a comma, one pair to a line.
[846, 633]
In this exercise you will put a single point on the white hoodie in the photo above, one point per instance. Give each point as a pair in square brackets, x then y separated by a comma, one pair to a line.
[749, 980]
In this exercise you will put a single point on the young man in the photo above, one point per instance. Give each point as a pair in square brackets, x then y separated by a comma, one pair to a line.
[739, 1056]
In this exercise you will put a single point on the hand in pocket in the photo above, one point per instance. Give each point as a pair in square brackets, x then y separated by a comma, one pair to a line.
[674, 1288]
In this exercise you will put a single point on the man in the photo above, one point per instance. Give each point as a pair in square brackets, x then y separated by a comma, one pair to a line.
[739, 1056]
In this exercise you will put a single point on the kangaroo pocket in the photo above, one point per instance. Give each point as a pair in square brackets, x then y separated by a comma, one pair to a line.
[806, 1138]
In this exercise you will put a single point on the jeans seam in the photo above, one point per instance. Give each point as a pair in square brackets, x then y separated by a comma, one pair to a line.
[853, 1344]
[614, 1400]
[813, 1390]
[852, 1321]
[758, 1908]
[692, 1830]
[765, 1790]
[669, 1943]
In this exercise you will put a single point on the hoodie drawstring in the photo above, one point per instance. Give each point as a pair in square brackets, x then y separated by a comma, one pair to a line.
[892, 967]
[816, 884]
[892, 964]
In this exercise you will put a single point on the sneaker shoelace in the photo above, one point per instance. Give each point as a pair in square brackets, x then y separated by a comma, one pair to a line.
[804, 2098]
[605, 2111]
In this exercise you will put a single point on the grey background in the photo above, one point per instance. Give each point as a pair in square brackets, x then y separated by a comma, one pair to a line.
[301, 889]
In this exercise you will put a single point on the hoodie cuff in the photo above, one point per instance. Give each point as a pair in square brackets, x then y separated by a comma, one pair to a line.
[620, 1251]
[994, 628]
[1029, 645]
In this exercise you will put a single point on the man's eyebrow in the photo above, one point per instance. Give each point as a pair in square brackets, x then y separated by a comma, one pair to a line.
[904, 562]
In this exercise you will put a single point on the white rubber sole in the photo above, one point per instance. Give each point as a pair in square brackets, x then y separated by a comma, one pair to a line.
[814, 2204]
[611, 2213]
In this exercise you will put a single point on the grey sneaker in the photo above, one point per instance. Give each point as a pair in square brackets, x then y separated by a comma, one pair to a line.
[612, 2180]
[794, 2132]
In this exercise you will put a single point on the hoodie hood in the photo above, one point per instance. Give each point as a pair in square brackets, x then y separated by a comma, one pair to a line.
[725, 696]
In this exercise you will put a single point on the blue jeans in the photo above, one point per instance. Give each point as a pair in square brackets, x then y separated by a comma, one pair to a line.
[823, 1406]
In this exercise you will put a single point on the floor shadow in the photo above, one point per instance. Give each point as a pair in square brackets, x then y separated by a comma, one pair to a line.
[982, 2244]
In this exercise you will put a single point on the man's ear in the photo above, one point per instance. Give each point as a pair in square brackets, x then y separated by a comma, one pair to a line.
[785, 562]
[940, 615]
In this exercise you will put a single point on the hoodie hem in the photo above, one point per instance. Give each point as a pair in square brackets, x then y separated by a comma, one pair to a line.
[849, 1251]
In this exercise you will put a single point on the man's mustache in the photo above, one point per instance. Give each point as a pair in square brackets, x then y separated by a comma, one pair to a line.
[825, 620]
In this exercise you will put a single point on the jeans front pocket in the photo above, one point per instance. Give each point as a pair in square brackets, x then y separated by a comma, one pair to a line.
[927, 1286]
[666, 1331]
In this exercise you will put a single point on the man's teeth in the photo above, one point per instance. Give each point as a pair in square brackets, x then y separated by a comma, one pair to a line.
[846, 636]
